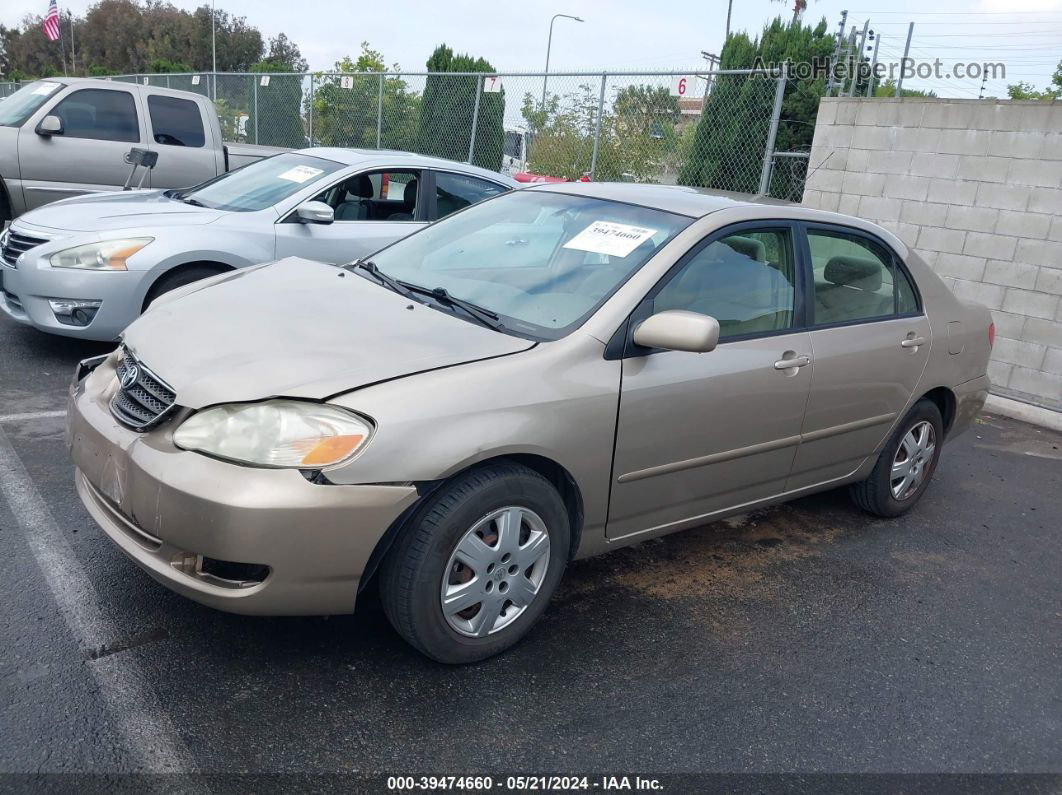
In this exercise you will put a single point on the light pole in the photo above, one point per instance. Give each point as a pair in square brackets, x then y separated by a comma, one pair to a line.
[549, 44]
[213, 53]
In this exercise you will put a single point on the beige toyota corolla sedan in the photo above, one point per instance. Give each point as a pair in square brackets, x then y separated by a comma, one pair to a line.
[547, 375]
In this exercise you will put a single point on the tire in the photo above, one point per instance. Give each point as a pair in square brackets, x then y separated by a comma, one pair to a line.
[5, 207]
[179, 278]
[426, 563]
[881, 493]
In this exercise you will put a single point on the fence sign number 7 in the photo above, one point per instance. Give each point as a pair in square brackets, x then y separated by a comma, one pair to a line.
[492, 84]
[681, 85]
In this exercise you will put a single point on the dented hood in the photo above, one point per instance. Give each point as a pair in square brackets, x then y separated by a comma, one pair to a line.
[298, 328]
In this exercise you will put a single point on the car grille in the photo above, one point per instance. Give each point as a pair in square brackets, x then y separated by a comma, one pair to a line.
[15, 244]
[143, 399]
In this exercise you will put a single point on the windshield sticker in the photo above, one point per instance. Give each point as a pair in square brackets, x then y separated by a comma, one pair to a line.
[45, 88]
[301, 173]
[605, 237]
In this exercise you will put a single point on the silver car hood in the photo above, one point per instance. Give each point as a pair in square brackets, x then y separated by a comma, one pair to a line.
[298, 328]
[100, 212]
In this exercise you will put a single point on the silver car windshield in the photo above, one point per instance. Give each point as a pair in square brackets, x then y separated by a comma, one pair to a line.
[18, 107]
[259, 185]
[542, 262]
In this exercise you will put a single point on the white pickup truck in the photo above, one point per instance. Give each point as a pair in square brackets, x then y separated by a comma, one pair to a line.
[63, 137]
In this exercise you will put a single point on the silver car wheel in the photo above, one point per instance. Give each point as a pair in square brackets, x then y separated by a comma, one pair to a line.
[913, 456]
[495, 572]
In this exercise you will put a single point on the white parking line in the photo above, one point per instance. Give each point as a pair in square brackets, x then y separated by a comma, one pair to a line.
[31, 415]
[150, 737]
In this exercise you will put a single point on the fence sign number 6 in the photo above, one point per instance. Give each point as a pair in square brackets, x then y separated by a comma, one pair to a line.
[681, 85]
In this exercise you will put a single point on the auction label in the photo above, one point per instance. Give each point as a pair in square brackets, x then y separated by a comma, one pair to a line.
[605, 237]
[300, 173]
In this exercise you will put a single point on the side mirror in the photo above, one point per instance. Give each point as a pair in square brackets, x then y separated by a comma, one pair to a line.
[315, 213]
[678, 330]
[50, 125]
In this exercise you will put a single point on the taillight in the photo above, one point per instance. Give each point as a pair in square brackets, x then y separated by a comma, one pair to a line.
[991, 334]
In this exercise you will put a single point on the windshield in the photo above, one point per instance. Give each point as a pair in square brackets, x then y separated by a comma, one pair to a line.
[18, 107]
[261, 184]
[543, 262]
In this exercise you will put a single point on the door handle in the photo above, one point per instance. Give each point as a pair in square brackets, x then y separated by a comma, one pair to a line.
[789, 364]
[913, 342]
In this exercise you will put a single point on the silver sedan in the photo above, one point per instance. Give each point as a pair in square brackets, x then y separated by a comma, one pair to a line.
[88, 266]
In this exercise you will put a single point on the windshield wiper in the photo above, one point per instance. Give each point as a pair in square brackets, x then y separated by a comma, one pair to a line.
[484, 316]
[370, 267]
[193, 202]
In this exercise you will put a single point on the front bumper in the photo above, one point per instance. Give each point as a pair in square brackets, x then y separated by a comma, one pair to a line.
[169, 510]
[28, 287]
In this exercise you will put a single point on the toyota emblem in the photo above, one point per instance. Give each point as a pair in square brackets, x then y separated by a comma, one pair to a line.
[129, 376]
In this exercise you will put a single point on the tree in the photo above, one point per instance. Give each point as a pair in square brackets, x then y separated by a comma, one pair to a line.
[1023, 90]
[888, 89]
[348, 116]
[731, 137]
[275, 113]
[448, 107]
[124, 36]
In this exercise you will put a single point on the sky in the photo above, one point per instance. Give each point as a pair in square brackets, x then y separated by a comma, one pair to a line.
[626, 35]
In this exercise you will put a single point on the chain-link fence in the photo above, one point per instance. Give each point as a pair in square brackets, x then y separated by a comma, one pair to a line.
[712, 129]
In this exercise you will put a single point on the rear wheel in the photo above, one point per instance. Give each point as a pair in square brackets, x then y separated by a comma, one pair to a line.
[477, 565]
[905, 465]
[179, 278]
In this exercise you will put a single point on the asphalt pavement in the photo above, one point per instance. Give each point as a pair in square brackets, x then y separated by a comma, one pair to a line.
[808, 637]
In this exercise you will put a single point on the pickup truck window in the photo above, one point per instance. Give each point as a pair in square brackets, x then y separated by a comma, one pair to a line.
[18, 107]
[176, 122]
[99, 114]
[259, 185]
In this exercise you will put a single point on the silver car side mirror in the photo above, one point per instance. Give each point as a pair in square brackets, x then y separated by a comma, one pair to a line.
[315, 213]
[50, 125]
[679, 330]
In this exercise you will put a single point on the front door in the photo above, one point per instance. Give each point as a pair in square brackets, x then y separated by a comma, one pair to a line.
[700, 433]
[871, 343]
[100, 126]
[187, 155]
[372, 210]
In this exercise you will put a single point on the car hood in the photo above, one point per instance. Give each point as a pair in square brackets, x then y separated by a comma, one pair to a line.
[298, 328]
[101, 212]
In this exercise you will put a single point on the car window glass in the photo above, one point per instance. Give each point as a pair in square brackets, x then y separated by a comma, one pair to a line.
[746, 281]
[854, 279]
[457, 191]
[261, 184]
[542, 261]
[374, 196]
[17, 107]
[99, 114]
[176, 122]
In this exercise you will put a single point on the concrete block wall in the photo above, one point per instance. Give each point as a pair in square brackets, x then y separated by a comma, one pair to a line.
[975, 186]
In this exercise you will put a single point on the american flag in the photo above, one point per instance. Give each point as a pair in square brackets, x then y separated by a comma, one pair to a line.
[51, 22]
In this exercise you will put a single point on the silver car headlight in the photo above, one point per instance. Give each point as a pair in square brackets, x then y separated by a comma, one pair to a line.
[276, 433]
[107, 255]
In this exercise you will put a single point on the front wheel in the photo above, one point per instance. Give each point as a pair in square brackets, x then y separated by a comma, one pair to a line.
[905, 465]
[478, 563]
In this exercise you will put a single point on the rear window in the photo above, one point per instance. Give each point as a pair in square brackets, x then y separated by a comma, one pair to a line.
[176, 122]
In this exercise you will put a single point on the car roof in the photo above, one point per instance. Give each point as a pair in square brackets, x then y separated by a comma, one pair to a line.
[681, 199]
[352, 156]
[103, 82]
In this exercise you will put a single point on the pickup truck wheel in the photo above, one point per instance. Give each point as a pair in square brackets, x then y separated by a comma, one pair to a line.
[179, 278]
[905, 465]
[478, 564]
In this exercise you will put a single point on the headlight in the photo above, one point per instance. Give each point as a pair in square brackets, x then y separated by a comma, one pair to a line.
[275, 433]
[107, 255]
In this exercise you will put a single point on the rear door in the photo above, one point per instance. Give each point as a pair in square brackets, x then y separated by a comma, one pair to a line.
[372, 209]
[179, 133]
[451, 191]
[702, 432]
[100, 125]
[870, 340]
